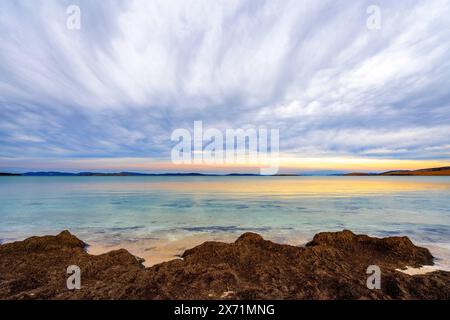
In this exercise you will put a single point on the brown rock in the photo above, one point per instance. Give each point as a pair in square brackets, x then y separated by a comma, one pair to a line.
[331, 266]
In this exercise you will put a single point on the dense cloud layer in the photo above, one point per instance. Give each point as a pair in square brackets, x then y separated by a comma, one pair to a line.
[139, 69]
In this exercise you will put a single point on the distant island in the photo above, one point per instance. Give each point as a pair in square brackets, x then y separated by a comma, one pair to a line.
[442, 171]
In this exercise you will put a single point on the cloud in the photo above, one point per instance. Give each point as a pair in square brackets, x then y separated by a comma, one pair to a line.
[139, 69]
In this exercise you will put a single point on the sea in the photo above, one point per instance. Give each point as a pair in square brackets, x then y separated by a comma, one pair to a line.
[160, 216]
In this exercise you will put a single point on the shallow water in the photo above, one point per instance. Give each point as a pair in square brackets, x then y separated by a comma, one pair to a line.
[145, 212]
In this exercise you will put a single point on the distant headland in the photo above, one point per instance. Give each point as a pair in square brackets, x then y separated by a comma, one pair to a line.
[442, 171]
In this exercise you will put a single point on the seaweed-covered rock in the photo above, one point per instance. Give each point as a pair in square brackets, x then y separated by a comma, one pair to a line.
[331, 266]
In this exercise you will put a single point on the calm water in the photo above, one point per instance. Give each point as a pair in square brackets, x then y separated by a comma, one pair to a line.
[114, 209]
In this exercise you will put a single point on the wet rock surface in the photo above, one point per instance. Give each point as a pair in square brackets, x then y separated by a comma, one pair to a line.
[331, 266]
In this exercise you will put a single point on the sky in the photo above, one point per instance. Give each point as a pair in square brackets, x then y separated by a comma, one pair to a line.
[345, 95]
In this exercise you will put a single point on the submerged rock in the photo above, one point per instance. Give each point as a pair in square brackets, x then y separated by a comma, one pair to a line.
[331, 266]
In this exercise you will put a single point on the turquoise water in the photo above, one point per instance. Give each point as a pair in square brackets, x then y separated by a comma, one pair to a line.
[116, 209]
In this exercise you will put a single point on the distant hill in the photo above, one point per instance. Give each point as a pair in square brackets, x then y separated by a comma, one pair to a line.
[48, 174]
[101, 174]
[442, 171]
[121, 174]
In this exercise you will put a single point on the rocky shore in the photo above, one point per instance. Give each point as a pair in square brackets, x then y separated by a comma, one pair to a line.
[331, 266]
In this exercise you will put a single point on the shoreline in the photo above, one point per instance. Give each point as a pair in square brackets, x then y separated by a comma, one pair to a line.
[165, 245]
[159, 250]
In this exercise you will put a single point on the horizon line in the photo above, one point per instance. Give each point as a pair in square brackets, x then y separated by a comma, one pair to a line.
[134, 173]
